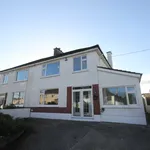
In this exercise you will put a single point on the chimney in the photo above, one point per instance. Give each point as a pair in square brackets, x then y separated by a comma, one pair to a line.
[57, 51]
[109, 58]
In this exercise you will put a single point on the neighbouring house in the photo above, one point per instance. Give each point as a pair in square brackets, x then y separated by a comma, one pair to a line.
[146, 99]
[75, 85]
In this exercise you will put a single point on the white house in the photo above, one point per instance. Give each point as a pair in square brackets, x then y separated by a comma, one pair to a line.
[76, 85]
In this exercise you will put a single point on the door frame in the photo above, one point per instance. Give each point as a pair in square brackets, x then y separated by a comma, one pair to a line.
[81, 102]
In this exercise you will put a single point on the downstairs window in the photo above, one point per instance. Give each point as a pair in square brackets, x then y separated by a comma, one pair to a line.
[49, 97]
[18, 98]
[119, 96]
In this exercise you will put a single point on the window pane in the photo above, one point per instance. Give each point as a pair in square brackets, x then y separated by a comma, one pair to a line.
[84, 64]
[109, 96]
[22, 75]
[41, 97]
[51, 97]
[2, 100]
[5, 79]
[43, 72]
[18, 98]
[77, 64]
[83, 57]
[76, 103]
[120, 98]
[132, 98]
[52, 69]
[115, 96]
[44, 66]
[130, 89]
[148, 101]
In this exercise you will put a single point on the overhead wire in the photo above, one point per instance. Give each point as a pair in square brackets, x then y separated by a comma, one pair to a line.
[131, 52]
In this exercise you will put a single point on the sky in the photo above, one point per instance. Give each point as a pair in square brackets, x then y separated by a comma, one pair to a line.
[30, 29]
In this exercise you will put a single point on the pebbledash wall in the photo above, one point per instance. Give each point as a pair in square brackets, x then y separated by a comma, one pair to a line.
[97, 78]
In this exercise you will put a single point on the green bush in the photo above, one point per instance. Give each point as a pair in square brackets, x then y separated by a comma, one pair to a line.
[11, 106]
[10, 126]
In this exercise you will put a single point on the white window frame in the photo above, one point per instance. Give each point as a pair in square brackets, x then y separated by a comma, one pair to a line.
[121, 106]
[21, 105]
[82, 59]
[23, 79]
[81, 101]
[42, 105]
[45, 69]
[127, 92]
[4, 78]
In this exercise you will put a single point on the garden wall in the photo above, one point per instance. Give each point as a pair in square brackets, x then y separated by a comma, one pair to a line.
[17, 113]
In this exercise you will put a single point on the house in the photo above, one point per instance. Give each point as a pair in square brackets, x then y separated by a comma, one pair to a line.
[146, 101]
[76, 85]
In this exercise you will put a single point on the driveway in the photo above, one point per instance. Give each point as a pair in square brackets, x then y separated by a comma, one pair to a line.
[72, 135]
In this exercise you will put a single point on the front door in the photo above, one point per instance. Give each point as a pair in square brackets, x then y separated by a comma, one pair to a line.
[82, 105]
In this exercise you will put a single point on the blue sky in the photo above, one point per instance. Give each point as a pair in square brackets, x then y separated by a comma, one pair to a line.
[30, 29]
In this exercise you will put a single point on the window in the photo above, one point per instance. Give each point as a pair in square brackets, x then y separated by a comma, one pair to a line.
[148, 101]
[50, 69]
[18, 98]
[5, 79]
[49, 97]
[119, 96]
[22, 75]
[79, 63]
[3, 99]
[131, 95]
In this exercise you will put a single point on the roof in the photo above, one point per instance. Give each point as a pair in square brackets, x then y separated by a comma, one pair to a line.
[61, 55]
[121, 70]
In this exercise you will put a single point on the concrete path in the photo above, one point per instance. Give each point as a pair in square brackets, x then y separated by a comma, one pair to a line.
[71, 135]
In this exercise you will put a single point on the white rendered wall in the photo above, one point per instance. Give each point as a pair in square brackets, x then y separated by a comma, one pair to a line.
[17, 113]
[66, 78]
[63, 116]
[121, 114]
[12, 86]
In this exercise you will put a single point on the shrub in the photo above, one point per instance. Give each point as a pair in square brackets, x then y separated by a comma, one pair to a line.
[11, 106]
[9, 126]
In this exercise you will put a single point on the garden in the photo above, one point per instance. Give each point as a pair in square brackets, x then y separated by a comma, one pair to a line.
[11, 129]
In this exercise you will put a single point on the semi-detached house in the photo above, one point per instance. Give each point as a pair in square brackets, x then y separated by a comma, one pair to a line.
[76, 85]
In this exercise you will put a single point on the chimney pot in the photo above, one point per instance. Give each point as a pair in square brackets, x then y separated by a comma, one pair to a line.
[109, 58]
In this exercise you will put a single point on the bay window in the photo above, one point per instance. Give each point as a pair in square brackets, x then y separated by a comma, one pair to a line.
[119, 95]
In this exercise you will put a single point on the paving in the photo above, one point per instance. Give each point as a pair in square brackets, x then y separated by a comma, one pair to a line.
[73, 135]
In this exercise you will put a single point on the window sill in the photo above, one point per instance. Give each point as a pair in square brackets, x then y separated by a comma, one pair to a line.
[78, 117]
[20, 81]
[50, 76]
[85, 70]
[19, 106]
[48, 105]
[4, 83]
[120, 107]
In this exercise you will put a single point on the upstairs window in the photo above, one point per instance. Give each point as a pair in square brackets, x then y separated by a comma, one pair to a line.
[50, 69]
[5, 79]
[22, 75]
[79, 63]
